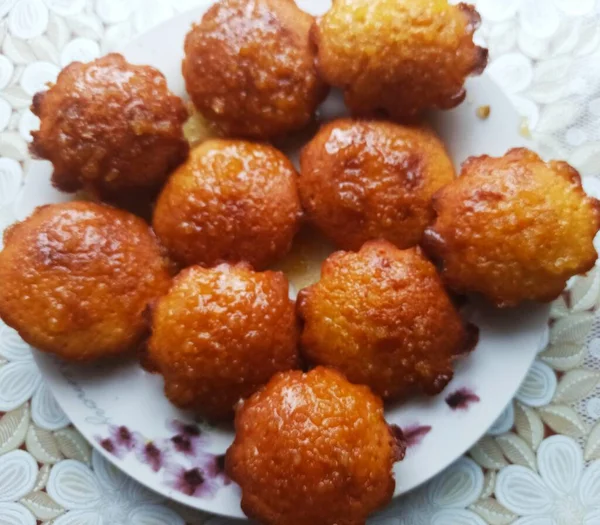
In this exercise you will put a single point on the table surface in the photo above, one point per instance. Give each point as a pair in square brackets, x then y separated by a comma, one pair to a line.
[538, 465]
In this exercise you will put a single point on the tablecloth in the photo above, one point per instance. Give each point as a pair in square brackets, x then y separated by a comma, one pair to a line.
[539, 463]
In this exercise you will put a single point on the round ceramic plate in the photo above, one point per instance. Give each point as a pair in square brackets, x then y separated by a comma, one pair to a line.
[121, 408]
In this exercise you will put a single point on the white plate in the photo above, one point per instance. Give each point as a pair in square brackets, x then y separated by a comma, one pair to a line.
[99, 398]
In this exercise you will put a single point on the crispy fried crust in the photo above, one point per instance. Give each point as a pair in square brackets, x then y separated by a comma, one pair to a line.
[398, 56]
[109, 126]
[363, 180]
[220, 334]
[312, 449]
[382, 317]
[514, 228]
[231, 201]
[250, 67]
[77, 277]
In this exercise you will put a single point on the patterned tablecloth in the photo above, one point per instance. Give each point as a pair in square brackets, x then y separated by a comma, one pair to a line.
[538, 465]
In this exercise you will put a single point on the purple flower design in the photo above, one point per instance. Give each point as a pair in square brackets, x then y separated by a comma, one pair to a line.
[220, 464]
[412, 434]
[188, 439]
[203, 475]
[109, 445]
[200, 479]
[181, 427]
[120, 440]
[461, 399]
[123, 437]
[215, 467]
[155, 454]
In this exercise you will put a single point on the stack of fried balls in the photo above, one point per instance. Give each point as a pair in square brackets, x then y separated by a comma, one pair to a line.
[306, 380]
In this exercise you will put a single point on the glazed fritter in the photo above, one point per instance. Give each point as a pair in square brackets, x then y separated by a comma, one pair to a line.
[514, 228]
[382, 317]
[220, 334]
[231, 201]
[311, 448]
[110, 127]
[250, 67]
[399, 57]
[77, 278]
[363, 180]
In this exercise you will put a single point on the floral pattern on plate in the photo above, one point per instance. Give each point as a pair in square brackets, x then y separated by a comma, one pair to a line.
[182, 458]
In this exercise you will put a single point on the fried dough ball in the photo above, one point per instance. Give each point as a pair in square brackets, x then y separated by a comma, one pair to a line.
[250, 67]
[231, 201]
[313, 449]
[220, 334]
[363, 180]
[77, 278]
[514, 228]
[398, 56]
[382, 317]
[108, 126]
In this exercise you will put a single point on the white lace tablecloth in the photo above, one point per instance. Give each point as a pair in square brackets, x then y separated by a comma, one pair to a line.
[538, 465]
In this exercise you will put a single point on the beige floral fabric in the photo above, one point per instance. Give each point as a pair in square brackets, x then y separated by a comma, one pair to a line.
[540, 462]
